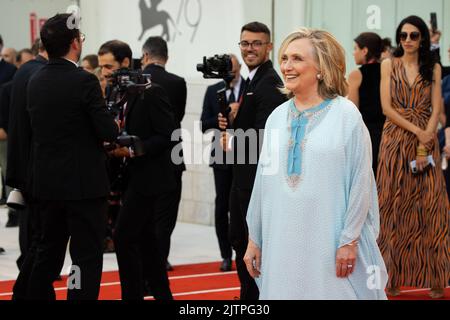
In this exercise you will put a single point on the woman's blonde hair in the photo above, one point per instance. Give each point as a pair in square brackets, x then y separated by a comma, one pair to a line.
[330, 57]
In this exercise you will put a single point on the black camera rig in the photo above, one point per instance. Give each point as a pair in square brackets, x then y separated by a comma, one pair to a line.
[219, 67]
[123, 83]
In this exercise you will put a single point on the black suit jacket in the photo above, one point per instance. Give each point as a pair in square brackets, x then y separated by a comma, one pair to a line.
[176, 90]
[210, 112]
[69, 124]
[7, 72]
[5, 101]
[19, 127]
[260, 98]
[149, 117]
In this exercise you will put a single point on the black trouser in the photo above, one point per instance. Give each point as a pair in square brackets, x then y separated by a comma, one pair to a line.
[222, 180]
[166, 214]
[25, 234]
[239, 201]
[29, 236]
[137, 250]
[84, 221]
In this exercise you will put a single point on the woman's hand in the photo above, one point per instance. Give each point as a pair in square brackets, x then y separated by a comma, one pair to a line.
[425, 137]
[421, 163]
[252, 259]
[447, 151]
[346, 260]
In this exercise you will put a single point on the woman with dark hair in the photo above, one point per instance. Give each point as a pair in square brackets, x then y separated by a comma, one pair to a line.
[388, 50]
[364, 87]
[414, 236]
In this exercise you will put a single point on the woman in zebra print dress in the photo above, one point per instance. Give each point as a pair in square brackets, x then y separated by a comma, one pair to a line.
[414, 208]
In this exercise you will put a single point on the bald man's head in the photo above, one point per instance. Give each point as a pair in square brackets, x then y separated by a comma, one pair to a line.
[236, 68]
[9, 55]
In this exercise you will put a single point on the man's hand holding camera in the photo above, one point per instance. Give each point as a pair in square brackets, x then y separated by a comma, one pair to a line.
[120, 152]
[225, 137]
[223, 122]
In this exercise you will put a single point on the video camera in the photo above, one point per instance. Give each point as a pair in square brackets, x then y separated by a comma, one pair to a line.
[219, 67]
[125, 82]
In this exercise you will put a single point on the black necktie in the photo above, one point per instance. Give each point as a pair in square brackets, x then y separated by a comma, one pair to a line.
[246, 86]
[232, 97]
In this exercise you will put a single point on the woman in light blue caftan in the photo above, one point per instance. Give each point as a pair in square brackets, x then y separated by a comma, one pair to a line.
[313, 217]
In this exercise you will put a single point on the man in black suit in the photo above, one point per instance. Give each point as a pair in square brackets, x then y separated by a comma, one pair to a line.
[18, 171]
[260, 98]
[148, 178]
[154, 60]
[7, 72]
[5, 101]
[223, 173]
[69, 124]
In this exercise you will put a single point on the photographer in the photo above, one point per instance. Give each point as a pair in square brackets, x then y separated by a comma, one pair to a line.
[261, 96]
[148, 177]
[113, 55]
[223, 173]
[69, 123]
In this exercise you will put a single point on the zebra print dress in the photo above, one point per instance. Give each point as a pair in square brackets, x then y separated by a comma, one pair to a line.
[414, 210]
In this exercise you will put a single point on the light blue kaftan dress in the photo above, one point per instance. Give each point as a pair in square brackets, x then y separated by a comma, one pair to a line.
[315, 192]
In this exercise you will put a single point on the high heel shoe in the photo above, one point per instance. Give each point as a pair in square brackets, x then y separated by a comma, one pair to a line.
[393, 292]
[437, 293]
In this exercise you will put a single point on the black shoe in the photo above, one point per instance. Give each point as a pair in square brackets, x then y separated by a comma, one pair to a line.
[169, 266]
[13, 219]
[147, 290]
[226, 265]
[2, 251]
[108, 245]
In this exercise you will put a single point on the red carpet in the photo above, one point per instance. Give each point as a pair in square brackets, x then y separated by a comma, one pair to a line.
[193, 282]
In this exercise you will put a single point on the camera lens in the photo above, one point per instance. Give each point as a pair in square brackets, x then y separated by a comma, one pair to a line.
[201, 67]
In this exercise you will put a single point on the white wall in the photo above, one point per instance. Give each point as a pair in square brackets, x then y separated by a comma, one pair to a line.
[15, 18]
[289, 16]
[217, 31]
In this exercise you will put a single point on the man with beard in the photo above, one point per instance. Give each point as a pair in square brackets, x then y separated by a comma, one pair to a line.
[148, 177]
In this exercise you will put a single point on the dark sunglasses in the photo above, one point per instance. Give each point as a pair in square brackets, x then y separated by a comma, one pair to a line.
[414, 36]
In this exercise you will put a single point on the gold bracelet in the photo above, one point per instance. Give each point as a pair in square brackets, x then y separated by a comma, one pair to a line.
[422, 152]
[353, 243]
[422, 149]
